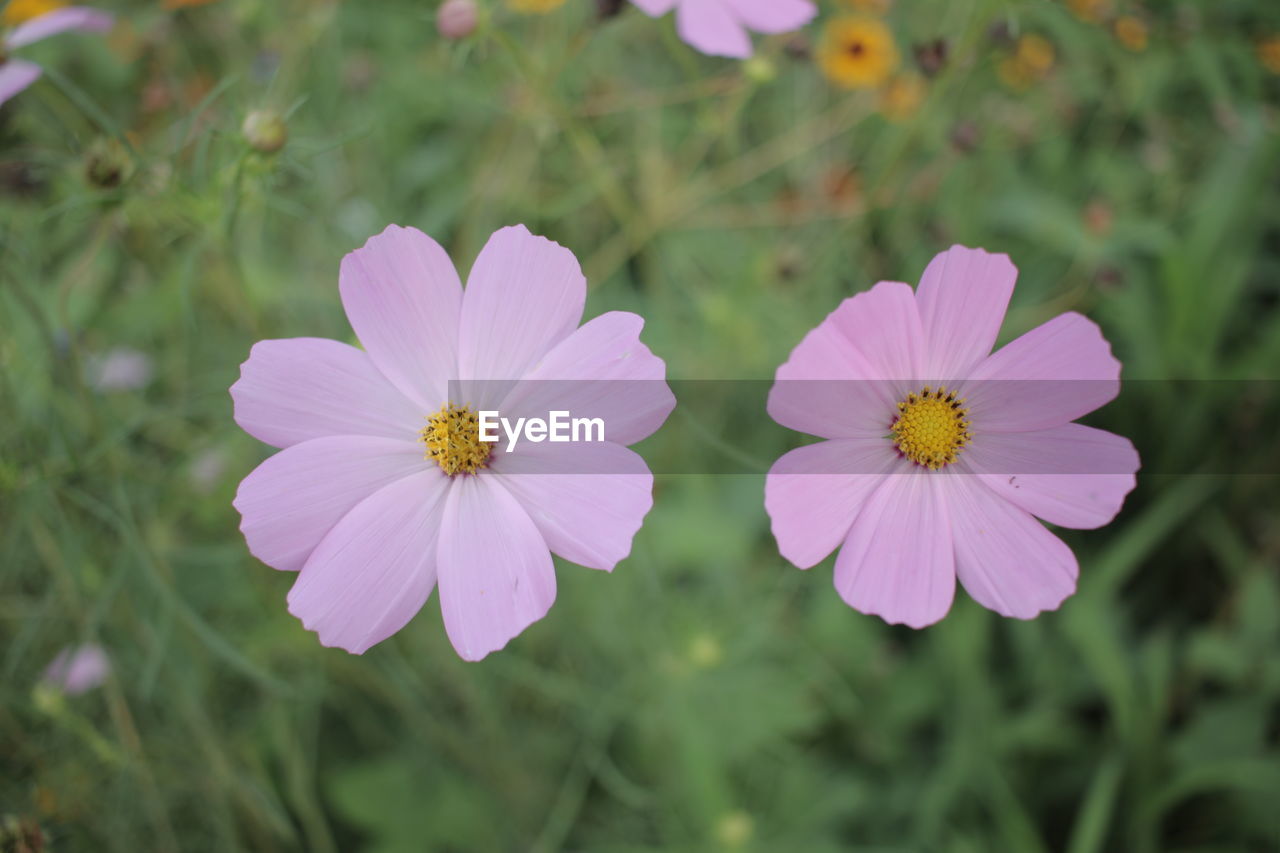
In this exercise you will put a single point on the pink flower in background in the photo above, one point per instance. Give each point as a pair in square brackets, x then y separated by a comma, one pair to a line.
[382, 490]
[17, 74]
[77, 670]
[719, 27]
[940, 454]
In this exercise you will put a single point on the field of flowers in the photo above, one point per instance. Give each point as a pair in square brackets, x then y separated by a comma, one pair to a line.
[182, 179]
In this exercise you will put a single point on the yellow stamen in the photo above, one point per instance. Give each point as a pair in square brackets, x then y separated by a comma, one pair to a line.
[931, 428]
[452, 437]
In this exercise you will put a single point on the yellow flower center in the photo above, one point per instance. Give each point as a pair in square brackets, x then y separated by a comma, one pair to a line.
[932, 427]
[21, 11]
[452, 437]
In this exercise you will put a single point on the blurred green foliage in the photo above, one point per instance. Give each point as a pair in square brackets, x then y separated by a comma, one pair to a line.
[706, 695]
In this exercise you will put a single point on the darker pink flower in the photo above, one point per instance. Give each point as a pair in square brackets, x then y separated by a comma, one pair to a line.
[719, 27]
[940, 454]
[17, 74]
[382, 491]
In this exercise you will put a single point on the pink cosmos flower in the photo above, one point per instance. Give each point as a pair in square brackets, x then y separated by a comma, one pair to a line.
[382, 490]
[78, 670]
[719, 27]
[17, 74]
[940, 454]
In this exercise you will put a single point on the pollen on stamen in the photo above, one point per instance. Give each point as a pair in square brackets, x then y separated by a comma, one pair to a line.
[931, 427]
[452, 439]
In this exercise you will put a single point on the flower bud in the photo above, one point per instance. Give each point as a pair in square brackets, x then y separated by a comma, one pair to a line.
[265, 131]
[608, 8]
[456, 19]
[107, 164]
[759, 69]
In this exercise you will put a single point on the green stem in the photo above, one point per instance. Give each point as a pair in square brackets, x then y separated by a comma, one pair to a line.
[588, 146]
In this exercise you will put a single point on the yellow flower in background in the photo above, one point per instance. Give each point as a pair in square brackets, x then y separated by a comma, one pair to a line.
[534, 7]
[1131, 32]
[1089, 10]
[1032, 58]
[21, 11]
[857, 52]
[903, 96]
[1036, 52]
[1269, 53]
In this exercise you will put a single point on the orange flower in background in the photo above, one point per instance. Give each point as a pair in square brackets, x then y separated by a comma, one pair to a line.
[183, 4]
[21, 11]
[1269, 54]
[1036, 52]
[534, 7]
[1032, 58]
[1091, 11]
[857, 52]
[1131, 32]
[903, 96]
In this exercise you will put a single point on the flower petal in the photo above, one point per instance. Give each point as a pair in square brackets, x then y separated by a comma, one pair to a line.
[403, 298]
[814, 493]
[898, 562]
[1072, 475]
[587, 500]
[496, 576]
[524, 295]
[290, 501]
[1006, 559]
[59, 21]
[773, 16]
[297, 389]
[16, 75]
[1050, 376]
[375, 569]
[847, 375]
[77, 670]
[962, 298]
[601, 370]
[713, 29]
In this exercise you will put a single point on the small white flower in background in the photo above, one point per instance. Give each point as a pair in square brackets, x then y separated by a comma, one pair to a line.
[207, 469]
[121, 369]
[77, 669]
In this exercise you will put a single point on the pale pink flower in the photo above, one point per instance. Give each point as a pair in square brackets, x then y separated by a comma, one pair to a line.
[18, 74]
[940, 454]
[207, 469]
[120, 369]
[373, 524]
[77, 670]
[719, 27]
